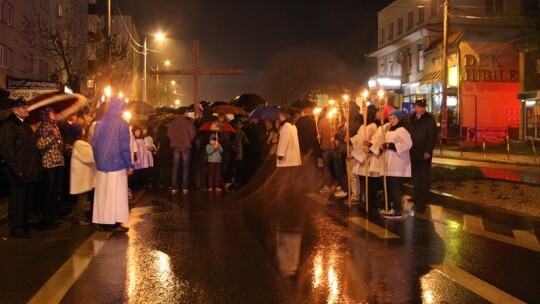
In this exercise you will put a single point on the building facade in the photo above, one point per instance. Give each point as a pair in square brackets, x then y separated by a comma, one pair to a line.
[483, 64]
[20, 59]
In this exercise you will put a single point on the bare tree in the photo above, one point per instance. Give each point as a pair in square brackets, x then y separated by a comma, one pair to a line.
[61, 39]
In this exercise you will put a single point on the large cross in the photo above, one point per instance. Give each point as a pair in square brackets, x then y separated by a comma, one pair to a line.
[197, 72]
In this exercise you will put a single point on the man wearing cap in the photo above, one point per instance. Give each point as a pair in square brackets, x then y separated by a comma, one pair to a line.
[18, 148]
[423, 131]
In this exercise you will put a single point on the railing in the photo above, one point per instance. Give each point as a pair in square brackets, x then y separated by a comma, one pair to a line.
[494, 138]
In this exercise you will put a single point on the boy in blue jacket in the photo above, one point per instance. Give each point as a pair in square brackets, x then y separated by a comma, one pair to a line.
[214, 150]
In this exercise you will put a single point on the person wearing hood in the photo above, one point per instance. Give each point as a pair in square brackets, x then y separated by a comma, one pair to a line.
[51, 148]
[395, 142]
[18, 149]
[110, 145]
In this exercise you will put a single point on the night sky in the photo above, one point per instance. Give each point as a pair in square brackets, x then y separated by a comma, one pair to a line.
[246, 34]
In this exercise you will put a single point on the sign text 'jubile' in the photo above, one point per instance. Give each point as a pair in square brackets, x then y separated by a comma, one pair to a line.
[487, 68]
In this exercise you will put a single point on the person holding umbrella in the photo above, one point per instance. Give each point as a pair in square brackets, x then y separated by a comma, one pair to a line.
[18, 148]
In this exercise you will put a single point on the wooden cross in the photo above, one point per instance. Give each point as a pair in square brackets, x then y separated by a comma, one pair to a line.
[197, 72]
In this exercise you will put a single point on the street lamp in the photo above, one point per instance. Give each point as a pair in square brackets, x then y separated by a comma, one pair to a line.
[158, 37]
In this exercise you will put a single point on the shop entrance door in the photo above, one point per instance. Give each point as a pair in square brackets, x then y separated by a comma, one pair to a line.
[532, 122]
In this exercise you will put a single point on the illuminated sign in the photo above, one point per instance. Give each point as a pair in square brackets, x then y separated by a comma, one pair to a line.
[384, 82]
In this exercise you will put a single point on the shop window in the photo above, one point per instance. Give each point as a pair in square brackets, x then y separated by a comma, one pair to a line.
[494, 7]
[410, 20]
[400, 25]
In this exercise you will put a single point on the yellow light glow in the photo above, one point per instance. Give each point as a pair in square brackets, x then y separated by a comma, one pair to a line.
[331, 102]
[160, 36]
[317, 111]
[453, 76]
[380, 93]
[365, 94]
[345, 97]
[127, 100]
[108, 91]
[173, 82]
[127, 115]
[177, 102]
[167, 62]
[174, 92]
[121, 95]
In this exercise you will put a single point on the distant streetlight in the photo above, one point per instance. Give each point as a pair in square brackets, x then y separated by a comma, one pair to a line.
[167, 62]
[173, 82]
[177, 102]
[158, 37]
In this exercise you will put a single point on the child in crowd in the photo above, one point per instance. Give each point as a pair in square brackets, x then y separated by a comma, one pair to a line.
[214, 151]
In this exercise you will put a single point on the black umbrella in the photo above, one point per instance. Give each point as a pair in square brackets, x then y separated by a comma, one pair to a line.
[303, 104]
[248, 101]
[218, 103]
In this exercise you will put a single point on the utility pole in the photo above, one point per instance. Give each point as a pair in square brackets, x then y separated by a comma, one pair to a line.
[444, 108]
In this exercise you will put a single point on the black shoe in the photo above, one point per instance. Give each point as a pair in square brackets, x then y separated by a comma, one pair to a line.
[20, 234]
[106, 228]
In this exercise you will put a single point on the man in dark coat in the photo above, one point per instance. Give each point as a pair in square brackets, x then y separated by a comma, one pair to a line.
[18, 148]
[423, 130]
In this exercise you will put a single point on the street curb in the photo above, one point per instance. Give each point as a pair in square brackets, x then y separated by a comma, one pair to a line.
[489, 160]
[488, 212]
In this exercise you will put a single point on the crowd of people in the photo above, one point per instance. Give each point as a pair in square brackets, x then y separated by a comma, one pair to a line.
[92, 162]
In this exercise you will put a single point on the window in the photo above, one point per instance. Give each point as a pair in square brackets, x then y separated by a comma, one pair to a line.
[381, 67]
[45, 4]
[400, 25]
[420, 14]
[494, 7]
[43, 69]
[390, 65]
[391, 30]
[409, 60]
[7, 13]
[433, 7]
[59, 10]
[420, 57]
[410, 20]
[6, 57]
[383, 35]
[30, 63]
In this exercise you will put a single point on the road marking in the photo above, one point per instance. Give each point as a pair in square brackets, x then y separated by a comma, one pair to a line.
[526, 239]
[373, 228]
[54, 290]
[476, 285]
[359, 221]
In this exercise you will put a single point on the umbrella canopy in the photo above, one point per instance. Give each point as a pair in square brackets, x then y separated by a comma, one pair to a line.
[303, 104]
[62, 103]
[218, 103]
[248, 101]
[265, 113]
[216, 126]
[228, 109]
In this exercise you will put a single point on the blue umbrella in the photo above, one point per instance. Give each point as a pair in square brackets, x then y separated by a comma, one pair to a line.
[265, 113]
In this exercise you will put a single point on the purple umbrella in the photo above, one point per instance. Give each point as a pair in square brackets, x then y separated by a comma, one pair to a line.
[265, 113]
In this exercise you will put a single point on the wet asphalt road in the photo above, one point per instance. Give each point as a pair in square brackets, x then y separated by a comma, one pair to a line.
[267, 247]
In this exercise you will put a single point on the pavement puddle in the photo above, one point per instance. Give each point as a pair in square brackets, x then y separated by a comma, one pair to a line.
[357, 220]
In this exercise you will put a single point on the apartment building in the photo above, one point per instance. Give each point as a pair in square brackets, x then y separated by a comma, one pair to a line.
[18, 59]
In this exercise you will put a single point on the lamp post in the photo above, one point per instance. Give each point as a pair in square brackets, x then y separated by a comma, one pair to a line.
[159, 37]
[444, 80]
